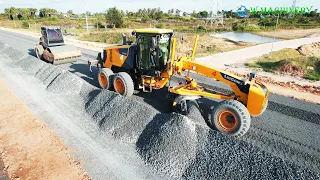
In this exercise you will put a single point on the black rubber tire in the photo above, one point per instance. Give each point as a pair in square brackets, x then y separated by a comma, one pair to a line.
[109, 74]
[127, 82]
[241, 113]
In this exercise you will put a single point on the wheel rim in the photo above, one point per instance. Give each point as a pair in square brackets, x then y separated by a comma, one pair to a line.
[119, 86]
[103, 80]
[228, 120]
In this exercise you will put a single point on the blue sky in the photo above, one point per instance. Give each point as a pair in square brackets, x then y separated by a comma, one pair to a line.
[80, 6]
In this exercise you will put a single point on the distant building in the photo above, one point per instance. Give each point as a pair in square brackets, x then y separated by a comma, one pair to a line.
[179, 13]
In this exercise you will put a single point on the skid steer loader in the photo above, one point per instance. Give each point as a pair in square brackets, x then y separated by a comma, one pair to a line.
[51, 47]
[150, 63]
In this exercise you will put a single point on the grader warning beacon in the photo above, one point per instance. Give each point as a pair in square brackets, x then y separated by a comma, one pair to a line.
[150, 63]
[51, 47]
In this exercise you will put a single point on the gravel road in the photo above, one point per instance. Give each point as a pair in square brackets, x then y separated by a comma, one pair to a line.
[282, 143]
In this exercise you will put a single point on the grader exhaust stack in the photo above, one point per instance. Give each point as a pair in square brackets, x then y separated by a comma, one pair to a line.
[52, 48]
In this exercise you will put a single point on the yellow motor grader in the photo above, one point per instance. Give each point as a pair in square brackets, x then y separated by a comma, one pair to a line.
[150, 63]
[51, 47]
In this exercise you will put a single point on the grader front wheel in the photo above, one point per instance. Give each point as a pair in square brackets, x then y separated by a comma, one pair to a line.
[231, 118]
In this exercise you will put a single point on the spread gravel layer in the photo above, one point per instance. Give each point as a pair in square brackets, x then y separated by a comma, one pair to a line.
[177, 146]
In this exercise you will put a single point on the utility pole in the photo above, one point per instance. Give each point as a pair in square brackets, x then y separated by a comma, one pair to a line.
[274, 35]
[85, 10]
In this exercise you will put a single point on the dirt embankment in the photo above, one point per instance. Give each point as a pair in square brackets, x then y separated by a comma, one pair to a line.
[291, 34]
[310, 49]
[28, 149]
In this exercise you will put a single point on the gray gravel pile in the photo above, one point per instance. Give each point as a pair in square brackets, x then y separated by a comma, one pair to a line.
[16, 55]
[2, 47]
[47, 74]
[8, 51]
[30, 64]
[221, 157]
[312, 117]
[178, 147]
[65, 83]
[168, 144]
[122, 117]
[194, 113]
[301, 154]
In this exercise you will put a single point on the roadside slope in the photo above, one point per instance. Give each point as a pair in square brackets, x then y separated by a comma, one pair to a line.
[241, 55]
[29, 149]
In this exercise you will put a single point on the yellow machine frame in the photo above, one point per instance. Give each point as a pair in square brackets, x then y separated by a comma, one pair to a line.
[255, 100]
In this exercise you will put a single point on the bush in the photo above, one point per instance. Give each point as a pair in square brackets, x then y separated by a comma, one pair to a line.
[25, 25]
[99, 25]
[251, 28]
[304, 20]
[201, 28]
[237, 27]
[145, 19]
[161, 25]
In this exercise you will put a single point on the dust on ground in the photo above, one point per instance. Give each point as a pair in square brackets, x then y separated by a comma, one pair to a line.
[291, 34]
[28, 149]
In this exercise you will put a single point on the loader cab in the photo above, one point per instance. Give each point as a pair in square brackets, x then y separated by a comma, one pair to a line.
[153, 50]
[51, 36]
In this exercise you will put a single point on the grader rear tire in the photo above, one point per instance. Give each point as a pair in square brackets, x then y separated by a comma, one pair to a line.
[105, 78]
[231, 118]
[123, 84]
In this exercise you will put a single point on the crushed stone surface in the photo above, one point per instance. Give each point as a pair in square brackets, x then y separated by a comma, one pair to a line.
[183, 147]
[120, 116]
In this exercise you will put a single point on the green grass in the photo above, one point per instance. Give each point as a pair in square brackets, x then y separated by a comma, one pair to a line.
[273, 61]
[104, 37]
[313, 75]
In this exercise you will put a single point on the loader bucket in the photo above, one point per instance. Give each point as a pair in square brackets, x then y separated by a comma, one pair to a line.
[64, 54]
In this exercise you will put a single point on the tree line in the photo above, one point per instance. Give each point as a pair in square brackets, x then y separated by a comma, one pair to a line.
[116, 17]
[28, 13]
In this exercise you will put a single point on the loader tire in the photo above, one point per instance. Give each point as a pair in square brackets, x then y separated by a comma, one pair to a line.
[105, 78]
[123, 84]
[231, 118]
